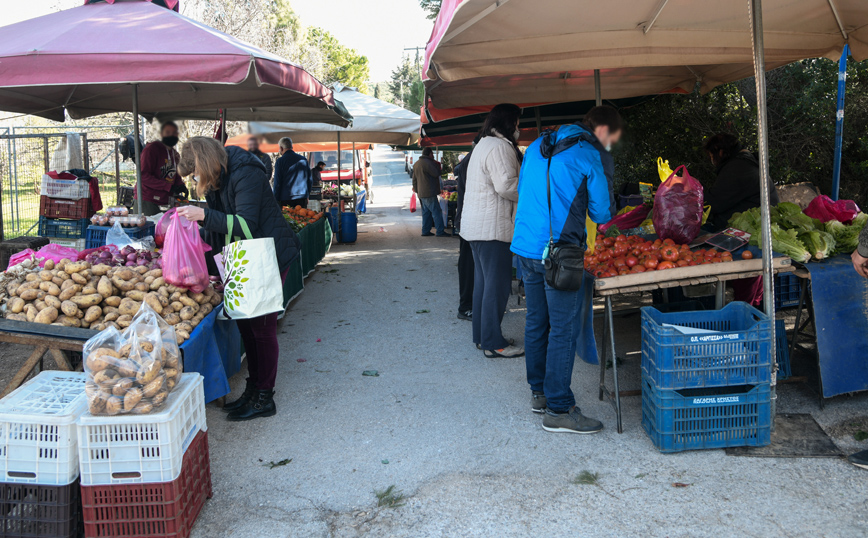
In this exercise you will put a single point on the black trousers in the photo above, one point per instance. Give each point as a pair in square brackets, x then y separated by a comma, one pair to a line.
[465, 276]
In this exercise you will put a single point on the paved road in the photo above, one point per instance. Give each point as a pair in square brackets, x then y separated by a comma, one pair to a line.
[454, 431]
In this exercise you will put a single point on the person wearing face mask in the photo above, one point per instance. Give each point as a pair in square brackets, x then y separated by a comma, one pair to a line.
[160, 178]
[574, 164]
[487, 220]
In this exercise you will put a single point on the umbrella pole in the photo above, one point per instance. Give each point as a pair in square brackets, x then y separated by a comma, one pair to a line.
[355, 196]
[138, 148]
[598, 93]
[756, 32]
[340, 209]
[839, 122]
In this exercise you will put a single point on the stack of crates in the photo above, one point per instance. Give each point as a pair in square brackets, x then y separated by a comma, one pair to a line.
[64, 211]
[146, 475]
[39, 472]
[706, 378]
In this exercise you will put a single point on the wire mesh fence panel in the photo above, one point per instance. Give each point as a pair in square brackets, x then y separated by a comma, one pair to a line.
[106, 164]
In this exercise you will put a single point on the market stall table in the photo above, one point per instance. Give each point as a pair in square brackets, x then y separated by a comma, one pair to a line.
[316, 240]
[718, 274]
[213, 349]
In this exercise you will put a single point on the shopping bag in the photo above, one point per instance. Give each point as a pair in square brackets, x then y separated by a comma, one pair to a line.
[628, 220]
[591, 227]
[253, 286]
[678, 208]
[413, 203]
[663, 169]
[162, 227]
[117, 236]
[184, 255]
[825, 209]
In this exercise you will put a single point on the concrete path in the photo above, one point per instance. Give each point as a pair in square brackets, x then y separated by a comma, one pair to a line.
[454, 431]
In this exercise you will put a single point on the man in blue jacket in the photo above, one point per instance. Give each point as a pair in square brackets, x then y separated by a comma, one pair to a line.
[292, 176]
[581, 175]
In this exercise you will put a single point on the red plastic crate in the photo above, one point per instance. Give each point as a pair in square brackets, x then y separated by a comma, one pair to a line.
[58, 208]
[166, 509]
[32, 510]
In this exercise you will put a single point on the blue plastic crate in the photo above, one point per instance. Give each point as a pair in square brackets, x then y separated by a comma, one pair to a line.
[96, 234]
[787, 290]
[63, 229]
[783, 350]
[692, 419]
[737, 353]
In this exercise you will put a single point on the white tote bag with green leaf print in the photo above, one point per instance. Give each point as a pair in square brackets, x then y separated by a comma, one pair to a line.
[252, 275]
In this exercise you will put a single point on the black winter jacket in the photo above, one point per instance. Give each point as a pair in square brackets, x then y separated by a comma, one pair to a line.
[460, 172]
[244, 191]
[736, 189]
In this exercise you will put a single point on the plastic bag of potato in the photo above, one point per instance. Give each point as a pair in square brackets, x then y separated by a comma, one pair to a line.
[134, 371]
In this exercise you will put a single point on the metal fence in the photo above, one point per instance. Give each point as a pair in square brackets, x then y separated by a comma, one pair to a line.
[26, 153]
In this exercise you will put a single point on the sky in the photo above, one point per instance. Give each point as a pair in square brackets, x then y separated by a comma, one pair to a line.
[378, 29]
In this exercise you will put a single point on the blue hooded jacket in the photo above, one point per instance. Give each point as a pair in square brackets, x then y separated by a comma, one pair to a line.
[581, 183]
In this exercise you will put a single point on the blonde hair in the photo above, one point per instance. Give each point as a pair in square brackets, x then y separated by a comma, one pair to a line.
[206, 158]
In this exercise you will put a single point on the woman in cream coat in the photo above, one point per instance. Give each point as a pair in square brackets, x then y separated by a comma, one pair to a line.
[487, 222]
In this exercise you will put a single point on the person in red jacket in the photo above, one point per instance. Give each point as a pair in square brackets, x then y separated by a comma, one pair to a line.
[160, 178]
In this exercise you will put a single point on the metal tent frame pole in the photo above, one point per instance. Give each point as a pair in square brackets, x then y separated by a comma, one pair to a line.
[340, 208]
[138, 148]
[839, 122]
[598, 92]
[355, 194]
[756, 33]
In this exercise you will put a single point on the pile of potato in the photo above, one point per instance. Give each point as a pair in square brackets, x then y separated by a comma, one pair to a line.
[78, 294]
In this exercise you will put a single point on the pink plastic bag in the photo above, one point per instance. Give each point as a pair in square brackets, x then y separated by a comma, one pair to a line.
[184, 255]
[678, 208]
[628, 220]
[162, 227]
[413, 203]
[19, 257]
[822, 207]
[56, 253]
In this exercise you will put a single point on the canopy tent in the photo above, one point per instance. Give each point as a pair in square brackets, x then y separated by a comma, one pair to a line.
[59, 63]
[486, 52]
[483, 52]
[374, 122]
[268, 147]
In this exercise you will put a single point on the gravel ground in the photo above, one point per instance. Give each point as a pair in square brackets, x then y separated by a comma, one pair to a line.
[454, 431]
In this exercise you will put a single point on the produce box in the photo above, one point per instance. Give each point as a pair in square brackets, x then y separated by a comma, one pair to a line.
[732, 347]
[63, 229]
[38, 443]
[13, 246]
[60, 208]
[787, 290]
[70, 189]
[127, 196]
[137, 449]
[31, 510]
[77, 244]
[96, 234]
[721, 417]
[166, 509]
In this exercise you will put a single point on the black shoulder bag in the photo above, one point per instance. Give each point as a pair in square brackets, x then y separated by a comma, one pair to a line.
[565, 263]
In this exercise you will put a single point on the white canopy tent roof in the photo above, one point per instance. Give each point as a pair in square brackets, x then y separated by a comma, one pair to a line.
[487, 51]
[374, 122]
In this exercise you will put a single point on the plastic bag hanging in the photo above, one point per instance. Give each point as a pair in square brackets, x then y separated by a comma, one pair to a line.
[678, 208]
[184, 255]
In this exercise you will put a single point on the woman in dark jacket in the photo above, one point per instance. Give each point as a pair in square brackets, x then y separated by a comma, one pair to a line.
[234, 184]
[737, 187]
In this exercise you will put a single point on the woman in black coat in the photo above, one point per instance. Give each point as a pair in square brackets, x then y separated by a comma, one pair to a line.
[234, 183]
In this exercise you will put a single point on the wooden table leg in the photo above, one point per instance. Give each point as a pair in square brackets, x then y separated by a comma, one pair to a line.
[60, 359]
[25, 370]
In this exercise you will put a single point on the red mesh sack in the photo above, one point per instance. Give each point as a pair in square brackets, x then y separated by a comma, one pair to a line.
[678, 208]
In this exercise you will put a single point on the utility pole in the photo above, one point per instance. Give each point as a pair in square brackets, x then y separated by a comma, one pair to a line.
[418, 62]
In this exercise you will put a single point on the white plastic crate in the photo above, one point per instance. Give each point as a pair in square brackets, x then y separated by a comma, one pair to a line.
[69, 189]
[37, 429]
[137, 449]
[77, 244]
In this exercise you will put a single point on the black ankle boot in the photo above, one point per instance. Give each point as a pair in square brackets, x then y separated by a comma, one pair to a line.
[261, 405]
[248, 393]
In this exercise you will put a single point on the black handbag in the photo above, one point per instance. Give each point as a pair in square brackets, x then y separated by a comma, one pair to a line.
[564, 263]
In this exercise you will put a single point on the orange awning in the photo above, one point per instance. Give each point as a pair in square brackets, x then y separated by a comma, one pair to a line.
[241, 142]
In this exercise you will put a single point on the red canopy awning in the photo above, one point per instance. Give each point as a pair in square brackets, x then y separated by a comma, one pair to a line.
[84, 60]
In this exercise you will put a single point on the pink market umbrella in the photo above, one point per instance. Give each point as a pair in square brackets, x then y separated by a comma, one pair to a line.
[138, 55]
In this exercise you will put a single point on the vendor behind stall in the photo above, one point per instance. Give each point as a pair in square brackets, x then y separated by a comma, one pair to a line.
[160, 179]
[737, 187]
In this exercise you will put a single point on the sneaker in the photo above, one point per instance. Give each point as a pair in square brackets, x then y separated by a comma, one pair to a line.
[538, 402]
[466, 315]
[572, 422]
[509, 341]
[429, 234]
[508, 352]
[859, 459]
